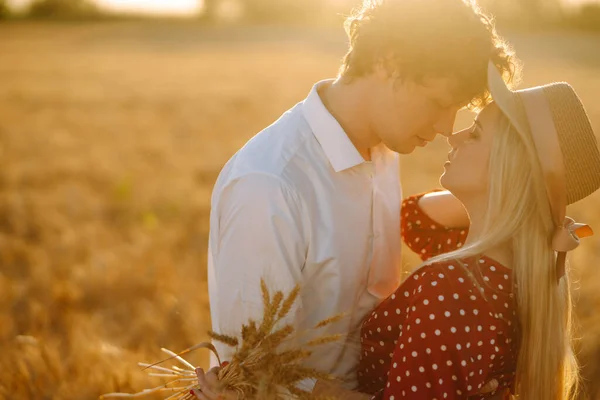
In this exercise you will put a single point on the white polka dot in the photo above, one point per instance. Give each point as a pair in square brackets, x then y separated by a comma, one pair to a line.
[418, 321]
[398, 379]
[434, 366]
[447, 313]
[398, 311]
[385, 313]
[434, 283]
[441, 275]
[467, 329]
[421, 369]
[463, 363]
[395, 365]
[428, 350]
[451, 267]
[425, 301]
[458, 346]
[462, 312]
[461, 280]
[453, 330]
[414, 354]
[414, 388]
[454, 378]
[475, 311]
[441, 381]
[423, 335]
[407, 373]
[441, 298]
[492, 268]
[381, 343]
[406, 294]
[455, 296]
[443, 347]
[449, 363]
[431, 316]
[437, 332]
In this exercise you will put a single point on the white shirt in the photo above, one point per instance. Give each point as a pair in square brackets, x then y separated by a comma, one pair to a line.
[298, 204]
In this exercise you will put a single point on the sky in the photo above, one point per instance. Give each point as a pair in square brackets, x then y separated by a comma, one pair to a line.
[177, 7]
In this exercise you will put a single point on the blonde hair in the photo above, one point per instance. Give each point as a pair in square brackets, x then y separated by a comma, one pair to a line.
[518, 213]
[416, 39]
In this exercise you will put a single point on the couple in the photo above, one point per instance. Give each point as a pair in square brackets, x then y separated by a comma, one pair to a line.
[315, 200]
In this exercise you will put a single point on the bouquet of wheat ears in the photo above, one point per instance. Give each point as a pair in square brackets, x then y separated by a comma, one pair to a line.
[260, 367]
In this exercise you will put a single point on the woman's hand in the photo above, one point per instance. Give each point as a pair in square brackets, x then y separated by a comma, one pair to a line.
[209, 386]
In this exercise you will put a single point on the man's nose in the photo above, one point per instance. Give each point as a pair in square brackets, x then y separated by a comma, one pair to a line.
[445, 125]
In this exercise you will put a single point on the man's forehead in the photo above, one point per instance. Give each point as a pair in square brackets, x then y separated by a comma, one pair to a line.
[449, 92]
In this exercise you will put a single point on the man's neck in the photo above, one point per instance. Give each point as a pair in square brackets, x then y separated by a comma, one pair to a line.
[347, 103]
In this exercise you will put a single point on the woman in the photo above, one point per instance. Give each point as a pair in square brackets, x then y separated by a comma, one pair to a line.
[496, 305]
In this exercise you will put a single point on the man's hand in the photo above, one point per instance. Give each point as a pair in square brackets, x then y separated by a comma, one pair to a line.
[490, 387]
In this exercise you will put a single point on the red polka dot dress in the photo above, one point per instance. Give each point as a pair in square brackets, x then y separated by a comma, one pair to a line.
[439, 336]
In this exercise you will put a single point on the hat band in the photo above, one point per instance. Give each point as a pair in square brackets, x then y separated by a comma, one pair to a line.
[545, 138]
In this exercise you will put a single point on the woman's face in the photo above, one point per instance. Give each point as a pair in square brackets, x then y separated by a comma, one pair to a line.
[466, 172]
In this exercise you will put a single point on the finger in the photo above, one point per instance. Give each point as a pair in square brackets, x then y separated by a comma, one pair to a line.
[489, 387]
[206, 387]
[212, 379]
[198, 394]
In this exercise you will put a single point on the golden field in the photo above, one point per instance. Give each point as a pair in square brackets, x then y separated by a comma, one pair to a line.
[111, 137]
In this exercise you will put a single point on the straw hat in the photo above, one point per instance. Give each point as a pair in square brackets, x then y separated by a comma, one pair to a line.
[567, 149]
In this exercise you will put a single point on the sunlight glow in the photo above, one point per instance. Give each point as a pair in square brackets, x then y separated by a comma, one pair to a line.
[170, 7]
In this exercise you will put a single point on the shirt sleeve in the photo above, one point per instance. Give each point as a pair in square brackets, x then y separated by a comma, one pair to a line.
[446, 346]
[425, 236]
[257, 231]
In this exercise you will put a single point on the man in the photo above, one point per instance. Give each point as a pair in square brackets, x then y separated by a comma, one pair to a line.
[315, 198]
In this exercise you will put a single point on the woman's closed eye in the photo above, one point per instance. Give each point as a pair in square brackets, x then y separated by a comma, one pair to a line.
[475, 131]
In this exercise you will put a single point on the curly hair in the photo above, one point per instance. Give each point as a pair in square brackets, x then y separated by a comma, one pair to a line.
[417, 39]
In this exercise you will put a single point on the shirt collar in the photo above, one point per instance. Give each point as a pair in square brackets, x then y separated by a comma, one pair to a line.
[337, 146]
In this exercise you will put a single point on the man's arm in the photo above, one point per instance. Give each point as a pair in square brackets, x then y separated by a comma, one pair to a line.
[257, 232]
[444, 209]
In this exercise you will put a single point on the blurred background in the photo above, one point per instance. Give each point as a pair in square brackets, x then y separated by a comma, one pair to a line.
[115, 119]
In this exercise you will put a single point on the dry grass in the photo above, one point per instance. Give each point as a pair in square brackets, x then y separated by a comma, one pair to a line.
[111, 136]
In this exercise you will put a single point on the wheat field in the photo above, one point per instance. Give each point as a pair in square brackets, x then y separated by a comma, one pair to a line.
[111, 137]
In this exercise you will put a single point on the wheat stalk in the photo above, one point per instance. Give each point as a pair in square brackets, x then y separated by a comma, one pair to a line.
[259, 369]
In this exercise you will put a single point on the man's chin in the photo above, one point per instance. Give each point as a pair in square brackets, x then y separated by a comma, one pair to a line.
[405, 149]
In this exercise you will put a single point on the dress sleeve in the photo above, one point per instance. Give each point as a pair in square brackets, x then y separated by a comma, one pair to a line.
[425, 236]
[446, 346]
